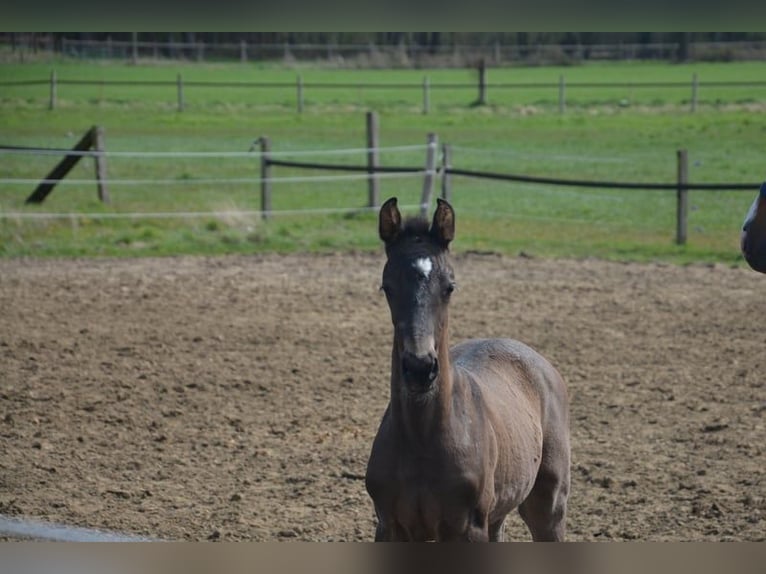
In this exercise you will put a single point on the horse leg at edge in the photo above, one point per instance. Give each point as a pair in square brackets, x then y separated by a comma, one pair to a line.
[380, 533]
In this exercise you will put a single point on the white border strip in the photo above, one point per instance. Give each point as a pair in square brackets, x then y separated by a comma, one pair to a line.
[39, 530]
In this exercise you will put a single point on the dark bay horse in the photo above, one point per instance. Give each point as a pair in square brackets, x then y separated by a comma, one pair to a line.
[753, 238]
[471, 432]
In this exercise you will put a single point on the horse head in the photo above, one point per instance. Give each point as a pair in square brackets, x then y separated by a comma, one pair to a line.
[418, 281]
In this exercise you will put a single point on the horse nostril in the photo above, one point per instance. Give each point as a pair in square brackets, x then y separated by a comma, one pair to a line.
[422, 370]
[434, 372]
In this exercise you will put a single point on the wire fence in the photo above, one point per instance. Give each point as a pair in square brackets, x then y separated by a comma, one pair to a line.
[252, 153]
[365, 172]
[235, 183]
[380, 171]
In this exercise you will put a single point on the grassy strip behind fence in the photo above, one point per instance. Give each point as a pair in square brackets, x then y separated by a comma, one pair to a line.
[621, 144]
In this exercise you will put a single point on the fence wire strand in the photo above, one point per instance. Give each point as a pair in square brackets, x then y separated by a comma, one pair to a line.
[230, 181]
[23, 150]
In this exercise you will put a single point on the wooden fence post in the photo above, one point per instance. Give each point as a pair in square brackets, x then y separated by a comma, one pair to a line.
[180, 84]
[243, 51]
[482, 82]
[265, 178]
[299, 87]
[100, 161]
[446, 177]
[562, 94]
[426, 95]
[373, 160]
[428, 181]
[695, 85]
[54, 81]
[682, 205]
[62, 168]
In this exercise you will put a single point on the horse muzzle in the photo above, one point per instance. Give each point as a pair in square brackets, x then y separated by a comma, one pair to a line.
[419, 372]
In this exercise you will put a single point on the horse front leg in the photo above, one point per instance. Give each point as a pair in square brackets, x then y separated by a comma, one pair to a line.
[381, 533]
[472, 528]
[389, 531]
[497, 531]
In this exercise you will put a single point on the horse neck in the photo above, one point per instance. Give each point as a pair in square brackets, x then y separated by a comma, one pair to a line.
[419, 418]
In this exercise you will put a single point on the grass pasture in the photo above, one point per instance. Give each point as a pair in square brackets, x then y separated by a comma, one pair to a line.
[625, 134]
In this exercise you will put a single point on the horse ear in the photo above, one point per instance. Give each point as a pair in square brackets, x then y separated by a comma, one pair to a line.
[389, 221]
[443, 226]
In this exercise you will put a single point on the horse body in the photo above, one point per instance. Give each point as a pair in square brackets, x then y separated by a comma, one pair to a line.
[471, 432]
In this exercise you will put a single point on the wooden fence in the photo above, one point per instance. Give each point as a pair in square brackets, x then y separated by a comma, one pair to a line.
[446, 171]
[433, 168]
[483, 87]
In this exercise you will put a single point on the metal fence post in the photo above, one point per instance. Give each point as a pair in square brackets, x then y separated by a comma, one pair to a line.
[180, 84]
[373, 160]
[695, 85]
[446, 177]
[299, 87]
[682, 205]
[482, 82]
[265, 178]
[428, 181]
[134, 47]
[54, 81]
[562, 94]
[100, 146]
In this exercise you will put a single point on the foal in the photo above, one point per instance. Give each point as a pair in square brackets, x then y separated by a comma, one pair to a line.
[471, 432]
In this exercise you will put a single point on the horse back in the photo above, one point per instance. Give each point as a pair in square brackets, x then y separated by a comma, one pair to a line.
[517, 383]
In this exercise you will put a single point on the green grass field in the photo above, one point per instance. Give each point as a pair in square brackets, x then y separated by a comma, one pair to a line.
[625, 134]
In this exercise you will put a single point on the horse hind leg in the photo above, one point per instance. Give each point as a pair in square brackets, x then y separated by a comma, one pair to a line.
[544, 510]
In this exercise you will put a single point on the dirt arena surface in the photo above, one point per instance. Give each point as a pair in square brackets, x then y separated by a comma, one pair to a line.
[236, 398]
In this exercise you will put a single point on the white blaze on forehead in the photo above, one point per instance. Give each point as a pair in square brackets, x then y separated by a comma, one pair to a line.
[424, 265]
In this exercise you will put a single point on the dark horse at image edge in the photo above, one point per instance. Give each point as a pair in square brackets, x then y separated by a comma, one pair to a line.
[471, 432]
